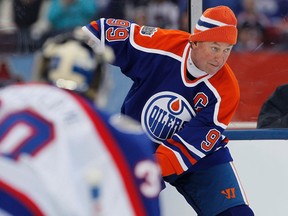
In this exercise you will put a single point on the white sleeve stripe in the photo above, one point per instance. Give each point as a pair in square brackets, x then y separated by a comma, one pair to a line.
[102, 20]
[217, 105]
[191, 148]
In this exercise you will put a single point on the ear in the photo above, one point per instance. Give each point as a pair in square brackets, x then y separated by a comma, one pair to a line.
[193, 44]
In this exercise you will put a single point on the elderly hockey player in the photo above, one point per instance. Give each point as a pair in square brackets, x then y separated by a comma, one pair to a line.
[184, 94]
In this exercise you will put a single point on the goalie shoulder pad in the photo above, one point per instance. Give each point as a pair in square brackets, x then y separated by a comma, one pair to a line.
[125, 124]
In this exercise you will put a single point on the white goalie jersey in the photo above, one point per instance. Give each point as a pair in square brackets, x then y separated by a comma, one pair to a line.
[58, 156]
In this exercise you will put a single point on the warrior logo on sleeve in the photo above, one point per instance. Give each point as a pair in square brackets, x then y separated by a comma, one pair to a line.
[164, 114]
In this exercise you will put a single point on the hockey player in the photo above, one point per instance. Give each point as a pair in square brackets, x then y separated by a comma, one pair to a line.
[60, 155]
[185, 94]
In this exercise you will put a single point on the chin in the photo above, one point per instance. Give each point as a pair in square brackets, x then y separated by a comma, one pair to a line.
[212, 72]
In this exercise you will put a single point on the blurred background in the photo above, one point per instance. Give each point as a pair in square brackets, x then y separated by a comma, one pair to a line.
[259, 60]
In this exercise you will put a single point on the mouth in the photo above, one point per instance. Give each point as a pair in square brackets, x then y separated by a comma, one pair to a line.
[214, 65]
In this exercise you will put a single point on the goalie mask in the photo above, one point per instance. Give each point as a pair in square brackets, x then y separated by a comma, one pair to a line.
[68, 62]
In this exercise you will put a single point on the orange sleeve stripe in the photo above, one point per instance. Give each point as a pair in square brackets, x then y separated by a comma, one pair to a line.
[183, 150]
[226, 140]
[95, 25]
[168, 161]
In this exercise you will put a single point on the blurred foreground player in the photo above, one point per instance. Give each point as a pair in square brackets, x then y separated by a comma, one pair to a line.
[7, 76]
[60, 155]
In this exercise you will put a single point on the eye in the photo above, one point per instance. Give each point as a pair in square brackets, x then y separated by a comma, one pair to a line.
[214, 49]
[227, 50]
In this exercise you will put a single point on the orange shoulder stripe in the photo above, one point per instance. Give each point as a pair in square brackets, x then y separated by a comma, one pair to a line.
[229, 93]
[162, 39]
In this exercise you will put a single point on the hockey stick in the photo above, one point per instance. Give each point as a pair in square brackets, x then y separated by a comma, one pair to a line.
[194, 12]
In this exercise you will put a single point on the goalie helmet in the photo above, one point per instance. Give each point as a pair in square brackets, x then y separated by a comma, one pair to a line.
[68, 62]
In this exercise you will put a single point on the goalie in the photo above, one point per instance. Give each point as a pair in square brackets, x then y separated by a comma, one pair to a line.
[61, 155]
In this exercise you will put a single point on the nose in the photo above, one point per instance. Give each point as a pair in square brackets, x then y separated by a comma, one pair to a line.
[219, 57]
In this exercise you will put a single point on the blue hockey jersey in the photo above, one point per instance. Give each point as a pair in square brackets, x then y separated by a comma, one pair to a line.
[182, 109]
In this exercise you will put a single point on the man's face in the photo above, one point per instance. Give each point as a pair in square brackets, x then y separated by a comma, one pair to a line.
[210, 56]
